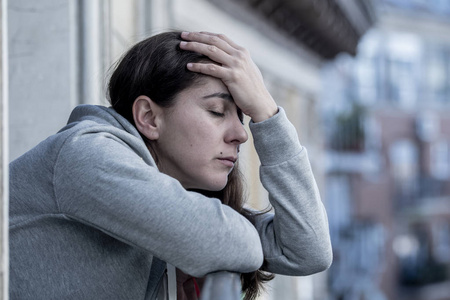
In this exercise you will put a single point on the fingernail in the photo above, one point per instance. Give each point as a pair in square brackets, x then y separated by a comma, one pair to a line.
[183, 43]
[184, 34]
[189, 65]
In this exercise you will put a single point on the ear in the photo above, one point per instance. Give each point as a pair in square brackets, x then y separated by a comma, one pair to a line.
[147, 115]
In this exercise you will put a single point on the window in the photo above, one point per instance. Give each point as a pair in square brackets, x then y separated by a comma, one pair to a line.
[436, 75]
[404, 159]
[440, 160]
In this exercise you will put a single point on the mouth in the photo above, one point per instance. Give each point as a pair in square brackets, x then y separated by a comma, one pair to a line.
[228, 161]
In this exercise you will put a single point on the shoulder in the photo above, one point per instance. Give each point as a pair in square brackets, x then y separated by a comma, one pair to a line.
[96, 128]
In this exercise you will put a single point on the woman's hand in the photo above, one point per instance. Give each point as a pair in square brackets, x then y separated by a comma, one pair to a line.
[235, 68]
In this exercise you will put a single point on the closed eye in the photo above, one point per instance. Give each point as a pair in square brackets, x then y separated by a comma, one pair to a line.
[217, 114]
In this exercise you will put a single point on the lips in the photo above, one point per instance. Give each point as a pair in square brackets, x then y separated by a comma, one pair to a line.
[228, 161]
[231, 158]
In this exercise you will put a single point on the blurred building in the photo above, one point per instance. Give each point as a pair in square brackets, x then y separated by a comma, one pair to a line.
[60, 53]
[386, 116]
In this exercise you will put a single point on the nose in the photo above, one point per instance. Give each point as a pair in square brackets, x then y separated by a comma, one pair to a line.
[236, 132]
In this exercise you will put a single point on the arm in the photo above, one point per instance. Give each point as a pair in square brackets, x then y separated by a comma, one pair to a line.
[295, 239]
[100, 181]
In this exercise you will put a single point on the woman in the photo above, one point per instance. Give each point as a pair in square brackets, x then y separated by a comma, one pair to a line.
[100, 209]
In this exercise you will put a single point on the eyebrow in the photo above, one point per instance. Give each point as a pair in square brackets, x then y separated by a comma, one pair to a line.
[225, 96]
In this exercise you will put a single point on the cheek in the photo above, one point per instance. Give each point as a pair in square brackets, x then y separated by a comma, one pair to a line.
[194, 134]
[200, 133]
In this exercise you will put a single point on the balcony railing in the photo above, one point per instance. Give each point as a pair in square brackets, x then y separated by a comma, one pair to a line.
[221, 286]
[348, 132]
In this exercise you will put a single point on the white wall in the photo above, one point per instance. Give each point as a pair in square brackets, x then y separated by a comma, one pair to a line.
[40, 81]
[4, 182]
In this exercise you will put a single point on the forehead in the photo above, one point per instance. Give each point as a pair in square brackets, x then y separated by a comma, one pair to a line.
[206, 85]
[208, 90]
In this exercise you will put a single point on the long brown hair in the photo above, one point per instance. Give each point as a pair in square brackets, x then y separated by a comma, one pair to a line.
[233, 195]
[156, 67]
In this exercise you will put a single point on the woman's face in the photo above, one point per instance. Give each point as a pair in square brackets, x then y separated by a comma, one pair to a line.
[200, 135]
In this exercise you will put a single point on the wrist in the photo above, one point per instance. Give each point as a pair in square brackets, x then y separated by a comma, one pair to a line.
[264, 114]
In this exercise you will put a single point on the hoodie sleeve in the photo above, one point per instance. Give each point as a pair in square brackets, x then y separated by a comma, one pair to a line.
[101, 181]
[295, 238]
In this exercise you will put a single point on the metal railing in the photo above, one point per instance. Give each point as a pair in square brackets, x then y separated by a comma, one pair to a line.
[221, 286]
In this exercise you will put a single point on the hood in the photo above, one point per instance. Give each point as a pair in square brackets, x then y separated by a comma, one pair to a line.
[89, 117]
[100, 115]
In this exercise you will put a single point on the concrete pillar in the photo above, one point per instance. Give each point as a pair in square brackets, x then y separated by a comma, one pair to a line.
[93, 49]
[4, 266]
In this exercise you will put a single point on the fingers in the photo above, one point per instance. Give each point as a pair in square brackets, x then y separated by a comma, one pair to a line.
[234, 62]
[217, 47]
[218, 40]
[209, 69]
[223, 37]
[212, 51]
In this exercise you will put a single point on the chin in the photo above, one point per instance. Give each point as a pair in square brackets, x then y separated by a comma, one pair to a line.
[212, 191]
[215, 186]
[211, 184]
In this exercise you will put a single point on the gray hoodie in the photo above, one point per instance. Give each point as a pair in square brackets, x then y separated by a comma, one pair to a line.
[91, 217]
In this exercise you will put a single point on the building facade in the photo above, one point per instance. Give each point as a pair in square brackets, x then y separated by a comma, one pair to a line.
[386, 117]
